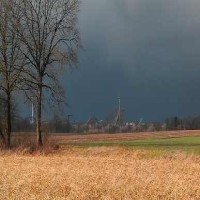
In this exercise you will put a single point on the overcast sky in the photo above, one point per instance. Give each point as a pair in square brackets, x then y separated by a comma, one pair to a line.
[146, 52]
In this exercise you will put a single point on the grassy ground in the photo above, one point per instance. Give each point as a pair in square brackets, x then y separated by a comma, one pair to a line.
[143, 169]
[187, 144]
[100, 173]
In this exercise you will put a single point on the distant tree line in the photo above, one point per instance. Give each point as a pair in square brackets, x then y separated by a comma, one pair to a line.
[189, 123]
[62, 124]
[172, 123]
[51, 126]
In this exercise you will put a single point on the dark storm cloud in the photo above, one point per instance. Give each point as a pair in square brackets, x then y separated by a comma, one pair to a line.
[147, 52]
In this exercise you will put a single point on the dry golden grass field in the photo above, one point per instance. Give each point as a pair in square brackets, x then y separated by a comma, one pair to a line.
[111, 172]
[100, 173]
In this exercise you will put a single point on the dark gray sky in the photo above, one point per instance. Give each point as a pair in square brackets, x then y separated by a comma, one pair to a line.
[146, 52]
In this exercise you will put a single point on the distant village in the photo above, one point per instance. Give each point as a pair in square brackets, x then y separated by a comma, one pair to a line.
[114, 123]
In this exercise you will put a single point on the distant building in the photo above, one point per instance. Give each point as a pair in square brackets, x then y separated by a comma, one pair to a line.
[92, 123]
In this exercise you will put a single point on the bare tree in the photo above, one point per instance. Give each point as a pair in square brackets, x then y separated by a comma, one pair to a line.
[11, 63]
[48, 30]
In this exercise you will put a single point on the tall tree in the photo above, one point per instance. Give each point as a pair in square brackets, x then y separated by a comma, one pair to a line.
[11, 62]
[48, 30]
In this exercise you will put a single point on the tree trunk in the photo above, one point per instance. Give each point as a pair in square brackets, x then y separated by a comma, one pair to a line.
[38, 120]
[8, 121]
[2, 139]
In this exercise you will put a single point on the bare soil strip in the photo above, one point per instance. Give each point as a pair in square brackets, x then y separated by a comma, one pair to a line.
[124, 136]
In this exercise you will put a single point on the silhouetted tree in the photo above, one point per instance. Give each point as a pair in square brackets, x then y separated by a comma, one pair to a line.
[48, 31]
[11, 62]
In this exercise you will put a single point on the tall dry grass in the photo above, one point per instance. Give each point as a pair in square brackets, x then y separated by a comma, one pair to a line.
[100, 173]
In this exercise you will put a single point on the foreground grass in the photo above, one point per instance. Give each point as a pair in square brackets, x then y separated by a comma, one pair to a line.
[187, 144]
[100, 173]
